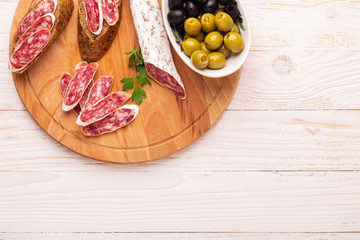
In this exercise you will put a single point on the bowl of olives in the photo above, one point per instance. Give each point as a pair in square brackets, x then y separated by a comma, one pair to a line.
[212, 37]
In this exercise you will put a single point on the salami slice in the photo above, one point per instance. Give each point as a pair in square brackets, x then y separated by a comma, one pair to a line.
[85, 96]
[65, 79]
[101, 89]
[102, 108]
[94, 15]
[44, 22]
[110, 11]
[78, 85]
[29, 49]
[118, 119]
[44, 7]
[155, 46]
[77, 109]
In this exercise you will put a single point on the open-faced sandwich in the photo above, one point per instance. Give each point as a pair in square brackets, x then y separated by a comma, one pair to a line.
[98, 23]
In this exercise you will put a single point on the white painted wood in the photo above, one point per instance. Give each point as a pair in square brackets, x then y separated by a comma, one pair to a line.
[176, 201]
[182, 236]
[240, 141]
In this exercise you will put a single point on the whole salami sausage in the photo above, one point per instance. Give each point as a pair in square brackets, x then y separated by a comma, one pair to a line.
[110, 11]
[101, 89]
[44, 7]
[78, 85]
[118, 119]
[155, 46]
[29, 49]
[102, 108]
[94, 17]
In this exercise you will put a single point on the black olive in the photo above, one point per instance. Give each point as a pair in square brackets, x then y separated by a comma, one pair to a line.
[180, 29]
[210, 6]
[191, 9]
[200, 1]
[233, 11]
[176, 16]
[175, 4]
[224, 2]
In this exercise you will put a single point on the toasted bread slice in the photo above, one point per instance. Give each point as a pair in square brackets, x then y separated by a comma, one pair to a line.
[62, 15]
[93, 47]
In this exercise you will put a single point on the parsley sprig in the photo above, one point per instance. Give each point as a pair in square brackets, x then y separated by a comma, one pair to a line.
[140, 78]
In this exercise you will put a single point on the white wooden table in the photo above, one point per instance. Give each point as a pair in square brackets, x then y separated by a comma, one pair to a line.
[282, 163]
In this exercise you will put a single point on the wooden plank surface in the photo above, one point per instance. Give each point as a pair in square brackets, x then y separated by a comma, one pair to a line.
[180, 201]
[182, 236]
[282, 163]
[241, 141]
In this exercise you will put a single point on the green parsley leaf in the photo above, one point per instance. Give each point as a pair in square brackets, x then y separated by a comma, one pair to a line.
[129, 84]
[140, 78]
[138, 95]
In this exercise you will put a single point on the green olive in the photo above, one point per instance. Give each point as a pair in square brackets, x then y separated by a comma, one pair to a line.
[190, 45]
[235, 28]
[223, 22]
[218, 10]
[199, 59]
[216, 60]
[223, 50]
[207, 22]
[200, 37]
[192, 26]
[234, 42]
[203, 47]
[213, 40]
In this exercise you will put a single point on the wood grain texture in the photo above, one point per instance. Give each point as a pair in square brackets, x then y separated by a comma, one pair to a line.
[182, 236]
[165, 123]
[177, 201]
[241, 141]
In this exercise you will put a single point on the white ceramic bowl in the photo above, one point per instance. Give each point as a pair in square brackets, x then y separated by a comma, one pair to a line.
[233, 63]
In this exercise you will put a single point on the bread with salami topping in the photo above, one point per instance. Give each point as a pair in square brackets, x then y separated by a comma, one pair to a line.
[93, 44]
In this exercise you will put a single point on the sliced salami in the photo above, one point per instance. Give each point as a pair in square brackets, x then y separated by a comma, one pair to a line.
[29, 49]
[44, 7]
[85, 96]
[155, 46]
[44, 22]
[110, 11]
[118, 119]
[101, 89]
[77, 109]
[78, 85]
[94, 15]
[102, 108]
[64, 80]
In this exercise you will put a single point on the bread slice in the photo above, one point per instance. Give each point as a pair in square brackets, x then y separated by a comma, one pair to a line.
[62, 15]
[93, 47]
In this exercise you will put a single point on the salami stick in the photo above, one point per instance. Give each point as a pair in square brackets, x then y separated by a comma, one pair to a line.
[155, 46]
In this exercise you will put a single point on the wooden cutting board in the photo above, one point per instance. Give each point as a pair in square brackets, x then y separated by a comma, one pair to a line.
[165, 125]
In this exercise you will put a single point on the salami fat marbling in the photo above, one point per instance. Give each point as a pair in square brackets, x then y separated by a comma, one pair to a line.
[102, 108]
[78, 85]
[118, 119]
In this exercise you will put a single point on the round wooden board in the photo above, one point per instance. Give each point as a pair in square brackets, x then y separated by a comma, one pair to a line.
[165, 125]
